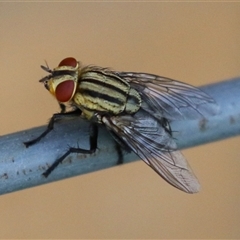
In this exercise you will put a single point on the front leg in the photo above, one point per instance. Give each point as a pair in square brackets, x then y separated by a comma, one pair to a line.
[93, 138]
[54, 118]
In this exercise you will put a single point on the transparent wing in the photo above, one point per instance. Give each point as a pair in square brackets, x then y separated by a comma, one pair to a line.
[153, 144]
[164, 97]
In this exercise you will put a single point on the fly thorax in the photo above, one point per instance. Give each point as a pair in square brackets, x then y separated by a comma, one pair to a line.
[101, 91]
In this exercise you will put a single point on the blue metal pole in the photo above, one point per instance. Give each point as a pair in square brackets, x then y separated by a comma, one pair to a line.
[22, 167]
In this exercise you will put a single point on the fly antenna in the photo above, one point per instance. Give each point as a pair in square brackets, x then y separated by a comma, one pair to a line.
[46, 68]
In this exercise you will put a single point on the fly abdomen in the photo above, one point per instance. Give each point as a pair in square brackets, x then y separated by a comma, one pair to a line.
[134, 101]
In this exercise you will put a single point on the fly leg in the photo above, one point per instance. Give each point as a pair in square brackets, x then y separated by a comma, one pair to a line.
[120, 147]
[166, 125]
[93, 146]
[120, 153]
[54, 118]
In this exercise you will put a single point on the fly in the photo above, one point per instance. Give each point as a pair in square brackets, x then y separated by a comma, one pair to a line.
[135, 107]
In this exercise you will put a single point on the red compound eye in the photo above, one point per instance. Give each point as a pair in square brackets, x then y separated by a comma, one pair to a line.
[69, 62]
[64, 91]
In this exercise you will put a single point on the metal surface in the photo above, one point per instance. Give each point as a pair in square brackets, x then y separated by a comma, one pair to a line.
[22, 167]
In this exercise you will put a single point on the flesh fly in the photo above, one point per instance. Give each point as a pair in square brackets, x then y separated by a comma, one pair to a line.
[135, 107]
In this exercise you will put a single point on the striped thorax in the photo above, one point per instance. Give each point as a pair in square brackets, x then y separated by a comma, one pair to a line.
[92, 89]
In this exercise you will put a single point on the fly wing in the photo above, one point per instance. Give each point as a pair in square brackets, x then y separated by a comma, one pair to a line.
[174, 100]
[153, 144]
